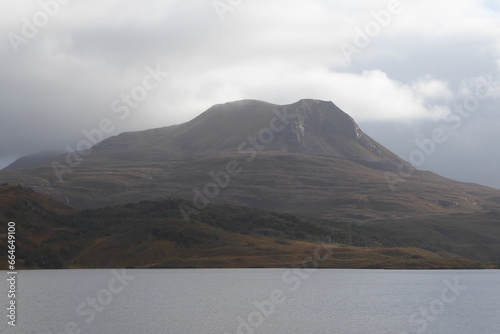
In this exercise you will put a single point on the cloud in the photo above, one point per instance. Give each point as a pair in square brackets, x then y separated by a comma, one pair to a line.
[89, 53]
[429, 88]
[365, 96]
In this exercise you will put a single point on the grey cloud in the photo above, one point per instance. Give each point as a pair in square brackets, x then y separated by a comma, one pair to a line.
[65, 79]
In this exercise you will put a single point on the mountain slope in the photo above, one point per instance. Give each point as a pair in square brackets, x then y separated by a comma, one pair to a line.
[154, 234]
[307, 158]
[36, 217]
[33, 160]
[474, 236]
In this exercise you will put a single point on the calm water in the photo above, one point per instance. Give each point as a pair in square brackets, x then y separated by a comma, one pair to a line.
[255, 301]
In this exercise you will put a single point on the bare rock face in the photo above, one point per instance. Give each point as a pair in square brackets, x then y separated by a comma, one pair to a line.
[296, 131]
[321, 128]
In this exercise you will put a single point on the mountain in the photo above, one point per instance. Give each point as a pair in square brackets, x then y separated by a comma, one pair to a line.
[33, 160]
[308, 158]
[154, 234]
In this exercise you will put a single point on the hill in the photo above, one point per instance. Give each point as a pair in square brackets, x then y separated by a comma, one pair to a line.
[473, 236]
[154, 234]
[37, 218]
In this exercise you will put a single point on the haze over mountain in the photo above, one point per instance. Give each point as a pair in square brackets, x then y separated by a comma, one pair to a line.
[308, 158]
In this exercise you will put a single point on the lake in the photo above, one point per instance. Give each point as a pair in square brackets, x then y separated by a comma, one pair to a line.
[218, 301]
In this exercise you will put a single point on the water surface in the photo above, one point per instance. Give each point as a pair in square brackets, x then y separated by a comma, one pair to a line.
[256, 301]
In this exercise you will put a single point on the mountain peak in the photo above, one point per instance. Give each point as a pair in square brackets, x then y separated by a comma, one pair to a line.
[308, 126]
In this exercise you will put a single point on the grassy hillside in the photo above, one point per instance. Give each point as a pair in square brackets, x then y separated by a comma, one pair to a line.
[474, 236]
[154, 234]
[37, 219]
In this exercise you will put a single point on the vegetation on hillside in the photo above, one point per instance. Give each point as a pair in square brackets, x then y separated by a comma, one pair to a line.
[154, 234]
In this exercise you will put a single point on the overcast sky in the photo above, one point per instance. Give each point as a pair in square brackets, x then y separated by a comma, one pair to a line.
[403, 70]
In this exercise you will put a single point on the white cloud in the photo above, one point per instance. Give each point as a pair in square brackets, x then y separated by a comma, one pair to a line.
[366, 96]
[429, 88]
